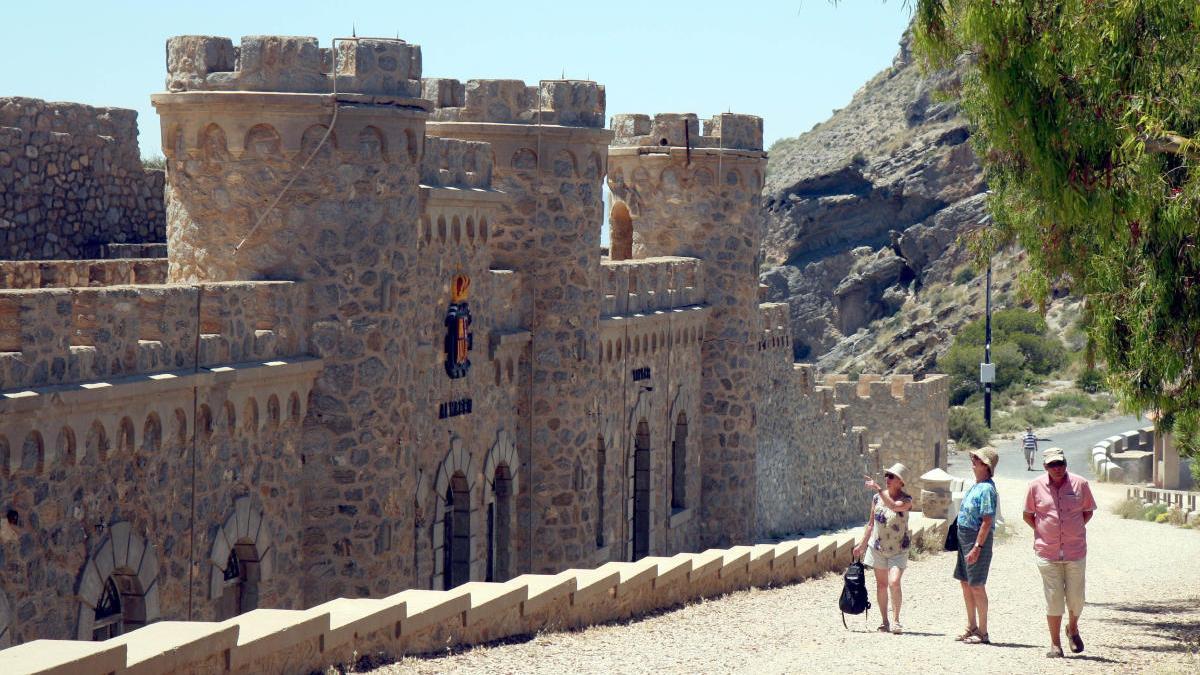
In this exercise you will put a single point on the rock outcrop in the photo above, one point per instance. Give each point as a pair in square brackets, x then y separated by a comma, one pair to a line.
[863, 213]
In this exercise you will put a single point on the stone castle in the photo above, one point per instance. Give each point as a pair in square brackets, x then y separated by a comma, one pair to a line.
[385, 349]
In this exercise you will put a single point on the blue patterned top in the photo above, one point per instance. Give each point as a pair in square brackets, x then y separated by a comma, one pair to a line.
[979, 501]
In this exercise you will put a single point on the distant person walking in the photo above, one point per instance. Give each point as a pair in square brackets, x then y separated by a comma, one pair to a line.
[885, 542]
[1029, 443]
[976, 516]
[1058, 507]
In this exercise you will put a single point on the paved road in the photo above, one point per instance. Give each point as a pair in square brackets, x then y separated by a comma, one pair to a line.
[1077, 442]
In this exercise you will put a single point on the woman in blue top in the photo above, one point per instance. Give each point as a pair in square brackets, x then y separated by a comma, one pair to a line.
[975, 518]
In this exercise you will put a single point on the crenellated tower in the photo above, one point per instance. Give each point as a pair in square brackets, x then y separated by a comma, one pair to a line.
[549, 144]
[682, 191]
[291, 161]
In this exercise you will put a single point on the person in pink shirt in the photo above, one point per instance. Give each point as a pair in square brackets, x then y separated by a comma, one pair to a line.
[1058, 507]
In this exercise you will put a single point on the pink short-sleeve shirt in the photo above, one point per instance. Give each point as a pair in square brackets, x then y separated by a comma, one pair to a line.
[1058, 529]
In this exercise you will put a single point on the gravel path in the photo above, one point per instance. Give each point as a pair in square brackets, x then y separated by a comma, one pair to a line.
[1134, 621]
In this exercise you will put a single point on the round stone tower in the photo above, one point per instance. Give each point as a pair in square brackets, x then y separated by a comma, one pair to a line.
[550, 144]
[289, 161]
[678, 191]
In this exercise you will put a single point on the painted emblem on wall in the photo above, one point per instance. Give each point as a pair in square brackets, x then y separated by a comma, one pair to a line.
[459, 340]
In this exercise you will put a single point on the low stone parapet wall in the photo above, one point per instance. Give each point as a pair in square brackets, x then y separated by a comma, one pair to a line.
[71, 273]
[419, 621]
[650, 284]
[1125, 458]
[52, 336]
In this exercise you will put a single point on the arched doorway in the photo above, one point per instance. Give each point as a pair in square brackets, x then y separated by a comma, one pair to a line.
[601, 460]
[620, 231]
[679, 465]
[239, 582]
[641, 491]
[456, 533]
[499, 528]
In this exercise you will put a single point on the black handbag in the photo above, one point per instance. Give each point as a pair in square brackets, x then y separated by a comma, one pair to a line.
[951, 543]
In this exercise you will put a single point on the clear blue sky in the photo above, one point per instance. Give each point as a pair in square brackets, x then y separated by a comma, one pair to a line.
[791, 62]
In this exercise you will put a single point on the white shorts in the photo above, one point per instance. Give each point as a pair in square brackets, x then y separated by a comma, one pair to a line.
[877, 560]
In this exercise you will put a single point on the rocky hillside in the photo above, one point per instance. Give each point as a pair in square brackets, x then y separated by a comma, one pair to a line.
[863, 213]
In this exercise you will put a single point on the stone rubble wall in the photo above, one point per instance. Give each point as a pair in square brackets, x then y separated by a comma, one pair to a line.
[281, 63]
[449, 162]
[648, 284]
[72, 181]
[137, 475]
[810, 458]
[881, 403]
[726, 131]
[72, 273]
[338, 632]
[570, 103]
[51, 336]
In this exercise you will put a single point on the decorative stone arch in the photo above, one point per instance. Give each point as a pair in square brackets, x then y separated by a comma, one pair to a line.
[501, 476]
[457, 461]
[242, 557]
[131, 566]
[5, 621]
[643, 409]
[684, 404]
[565, 165]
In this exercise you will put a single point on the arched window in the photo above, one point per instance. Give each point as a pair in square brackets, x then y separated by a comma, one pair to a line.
[679, 464]
[240, 579]
[121, 607]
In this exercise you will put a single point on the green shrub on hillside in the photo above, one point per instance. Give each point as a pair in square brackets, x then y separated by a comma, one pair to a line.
[1090, 380]
[961, 363]
[967, 428]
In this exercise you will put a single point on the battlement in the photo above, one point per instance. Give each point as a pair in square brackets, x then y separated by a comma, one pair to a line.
[296, 64]
[639, 286]
[775, 331]
[449, 162]
[878, 387]
[726, 131]
[68, 273]
[54, 336]
[569, 103]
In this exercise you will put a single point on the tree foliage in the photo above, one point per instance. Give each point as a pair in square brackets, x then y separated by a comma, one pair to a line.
[1085, 115]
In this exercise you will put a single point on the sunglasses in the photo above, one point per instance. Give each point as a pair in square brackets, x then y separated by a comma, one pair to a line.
[889, 476]
[1055, 465]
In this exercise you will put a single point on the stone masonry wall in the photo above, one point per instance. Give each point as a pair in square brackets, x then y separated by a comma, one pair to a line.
[810, 459]
[548, 143]
[71, 181]
[880, 404]
[687, 195]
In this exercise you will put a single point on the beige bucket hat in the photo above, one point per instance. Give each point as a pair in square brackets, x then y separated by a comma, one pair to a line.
[987, 455]
[898, 470]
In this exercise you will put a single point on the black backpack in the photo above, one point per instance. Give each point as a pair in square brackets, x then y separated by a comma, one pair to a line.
[854, 591]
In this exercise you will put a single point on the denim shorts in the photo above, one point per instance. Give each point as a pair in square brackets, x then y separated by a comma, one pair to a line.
[977, 574]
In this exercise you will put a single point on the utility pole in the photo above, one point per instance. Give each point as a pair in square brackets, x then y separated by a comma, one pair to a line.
[987, 370]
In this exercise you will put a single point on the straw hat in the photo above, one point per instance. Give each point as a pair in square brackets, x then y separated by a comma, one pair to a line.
[898, 470]
[987, 455]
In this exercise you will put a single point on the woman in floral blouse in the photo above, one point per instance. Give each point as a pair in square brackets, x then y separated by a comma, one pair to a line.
[885, 542]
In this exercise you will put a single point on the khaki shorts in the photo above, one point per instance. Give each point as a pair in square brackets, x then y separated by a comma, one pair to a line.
[1062, 582]
[877, 560]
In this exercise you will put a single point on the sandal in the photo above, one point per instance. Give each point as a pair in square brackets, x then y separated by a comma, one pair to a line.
[978, 639]
[884, 628]
[967, 634]
[897, 629]
[1076, 643]
[1054, 653]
